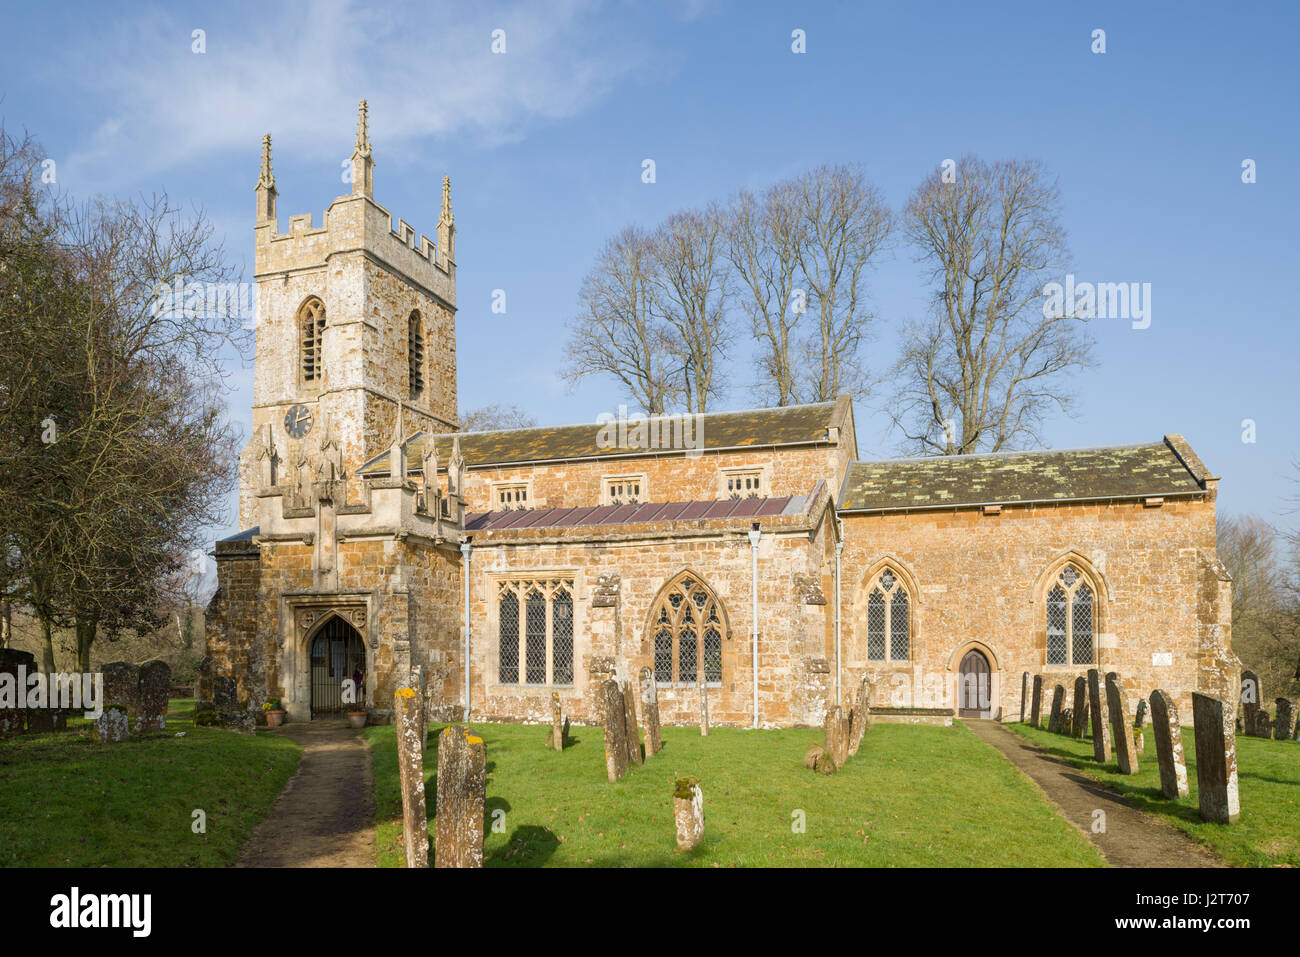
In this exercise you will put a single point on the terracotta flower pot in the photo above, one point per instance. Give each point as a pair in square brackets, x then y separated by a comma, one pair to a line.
[357, 719]
[274, 719]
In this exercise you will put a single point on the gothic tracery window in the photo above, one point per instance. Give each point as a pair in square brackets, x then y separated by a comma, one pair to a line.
[535, 631]
[888, 619]
[686, 631]
[1070, 619]
[311, 332]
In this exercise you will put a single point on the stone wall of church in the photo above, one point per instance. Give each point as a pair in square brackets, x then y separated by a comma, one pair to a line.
[979, 578]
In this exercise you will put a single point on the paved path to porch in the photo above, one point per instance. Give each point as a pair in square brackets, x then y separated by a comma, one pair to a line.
[325, 816]
[1132, 837]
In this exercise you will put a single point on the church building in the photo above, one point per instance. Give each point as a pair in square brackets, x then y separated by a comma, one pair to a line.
[755, 551]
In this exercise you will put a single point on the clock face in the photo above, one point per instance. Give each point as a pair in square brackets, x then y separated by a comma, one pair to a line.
[297, 421]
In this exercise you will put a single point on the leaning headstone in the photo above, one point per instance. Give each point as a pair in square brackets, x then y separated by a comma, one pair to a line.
[1284, 722]
[557, 728]
[1139, 726]
[836, 744]
[1080, 707]
[1097, 715]
[13, 718]
[861, 713]
[1067, 721]
[688, 813]
[408, 715]
[611, 697]
[1024, 696]
[1058, 705]
[633, 732]
[1216, 759]
[1116, 701]
[1169, 745]
[1251, 696]
[462, 787]
[704, 704]
[155, 689]
[1036, 702]
[654, 742]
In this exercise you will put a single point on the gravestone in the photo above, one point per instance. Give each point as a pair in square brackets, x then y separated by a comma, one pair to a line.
[1080, 707]
[835, 743]
[46, 719]
[633, 732]
[1036, 701]
[1099, 718]
[611, 697]
[1139, 725]
[155, 688]
[203, 680]
[1058, 704]
[861, 714]
[408, 715]
[654, 742]
[13, 718]
[122, 688]
[564, 734]
[225, 692]
[1216, 759]
[1025, 685]
[1117, 703]
[462, 787]
[810, 757]
[113, 725]
[1067, 721]
[704, 705]
[1167, 731]
[1284, 723]
[1263, 724]
[1251, 696]
[688, 813]
[557, 729]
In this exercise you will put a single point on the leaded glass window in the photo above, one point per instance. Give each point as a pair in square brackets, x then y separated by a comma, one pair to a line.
[1070, 620]
[888, 620]
[687, 630]
[541, 638]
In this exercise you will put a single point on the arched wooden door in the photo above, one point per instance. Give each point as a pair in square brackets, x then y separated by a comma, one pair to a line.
[973, 684]
[337, 654]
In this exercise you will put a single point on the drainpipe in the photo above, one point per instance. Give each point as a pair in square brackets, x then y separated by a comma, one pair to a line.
[839, 547]
[754, 535]
[465, 548]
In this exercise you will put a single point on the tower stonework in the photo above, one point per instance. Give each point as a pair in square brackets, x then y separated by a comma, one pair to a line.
[371, 281]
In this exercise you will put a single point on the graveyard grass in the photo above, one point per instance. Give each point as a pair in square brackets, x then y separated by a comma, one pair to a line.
[66, 801]
[912, 797]
[1267, 834]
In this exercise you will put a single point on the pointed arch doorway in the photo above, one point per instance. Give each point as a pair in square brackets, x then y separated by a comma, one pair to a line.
[974, 686]
[337, 653]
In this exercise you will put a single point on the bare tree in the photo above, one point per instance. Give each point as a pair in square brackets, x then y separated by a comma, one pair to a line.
[992, 362]
[617, 332]
[1265, 603]
[691, 290]
[488, 418]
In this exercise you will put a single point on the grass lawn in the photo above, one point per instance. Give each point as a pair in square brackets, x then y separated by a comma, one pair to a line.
[1268, 781]
[913, 797]
[68, 802]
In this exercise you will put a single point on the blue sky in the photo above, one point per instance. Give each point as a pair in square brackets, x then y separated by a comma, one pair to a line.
[544, 148]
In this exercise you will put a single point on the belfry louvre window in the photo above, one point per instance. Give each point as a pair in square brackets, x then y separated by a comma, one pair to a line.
[686, 628]
[311, 331]
[744, 484]
[1070, 620]
[888, 620]
[625, 490]
[415, 354]
[535, 631]
[512, 495]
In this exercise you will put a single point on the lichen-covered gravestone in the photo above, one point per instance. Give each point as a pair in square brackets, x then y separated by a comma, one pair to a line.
[1167, 731]
[1139, 725]
[1116, 701]
[462, 785]
[1025, 684]
[1080, 711]
[557, 727]
[1251, 696]
[121, 702]
[155, 688]
[810, 756]
[650, 709]
[611, 697]
[629, 719]
[1058, 705]
[1284, 723]
[1216, 759]
[1098, 716]
[408, 715]
[835, 743]
[861, 715]
[1036, 702]
[688, 813]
